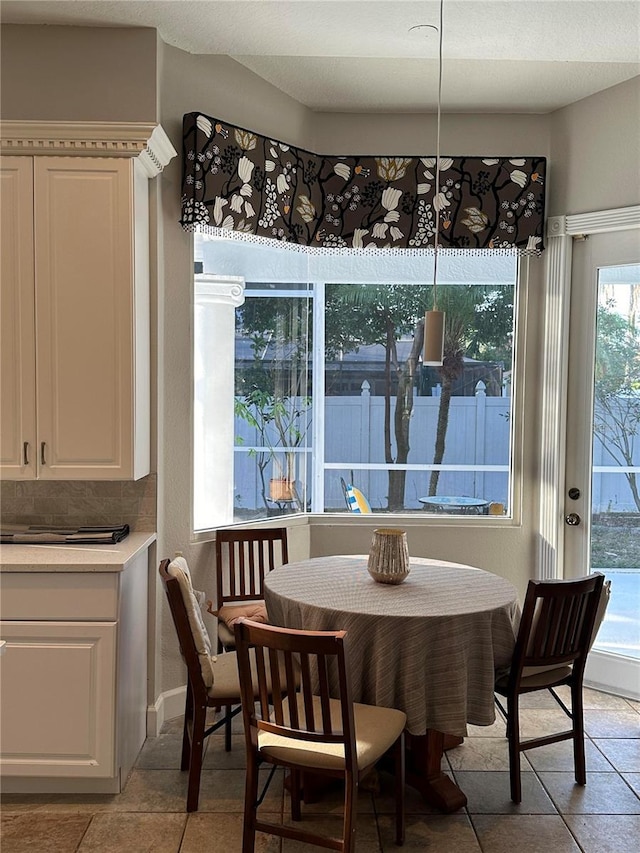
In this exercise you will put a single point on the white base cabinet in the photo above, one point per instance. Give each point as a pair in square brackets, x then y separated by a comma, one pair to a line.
[73, 672]
[59, 682]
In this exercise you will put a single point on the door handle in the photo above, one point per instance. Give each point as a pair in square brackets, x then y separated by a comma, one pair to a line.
[573, 519]
[25, 453]
[43, 460]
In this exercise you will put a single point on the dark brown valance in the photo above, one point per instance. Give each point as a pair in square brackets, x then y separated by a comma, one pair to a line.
[238, 181]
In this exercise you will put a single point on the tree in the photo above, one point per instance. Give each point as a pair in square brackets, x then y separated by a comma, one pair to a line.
[479, 323]
[389, 312]
[617, 389]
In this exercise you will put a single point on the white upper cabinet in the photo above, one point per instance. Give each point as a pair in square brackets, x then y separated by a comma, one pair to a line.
[86, 324]
[17, 311]
[75, 317]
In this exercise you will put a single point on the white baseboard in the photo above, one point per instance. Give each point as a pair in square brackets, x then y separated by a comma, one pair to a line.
[613, 674]
[168, 705]
[59, 785]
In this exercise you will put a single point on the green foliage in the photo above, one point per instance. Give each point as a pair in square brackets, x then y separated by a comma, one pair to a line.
[360, 315]
[479, 324]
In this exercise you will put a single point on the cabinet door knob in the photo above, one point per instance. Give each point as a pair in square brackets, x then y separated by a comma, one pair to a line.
[43, 461]
[25, 453]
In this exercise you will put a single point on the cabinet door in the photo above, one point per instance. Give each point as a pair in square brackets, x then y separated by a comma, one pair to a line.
[17, 340]
[58, 699]
[84, 270]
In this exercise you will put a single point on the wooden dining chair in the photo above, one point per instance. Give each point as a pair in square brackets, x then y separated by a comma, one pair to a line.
[307, 730]
[212, 682]
[558, 625]
[243, 558]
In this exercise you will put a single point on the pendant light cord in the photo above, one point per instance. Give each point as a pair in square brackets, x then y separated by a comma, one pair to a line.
[436, 188]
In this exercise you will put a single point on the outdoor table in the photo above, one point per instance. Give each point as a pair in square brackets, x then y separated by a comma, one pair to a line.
[429, 646]
[452, 503]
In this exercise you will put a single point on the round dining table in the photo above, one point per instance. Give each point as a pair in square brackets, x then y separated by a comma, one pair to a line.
[429, 646]
[455, 504]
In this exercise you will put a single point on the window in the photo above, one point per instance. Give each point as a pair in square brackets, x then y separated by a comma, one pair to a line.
[329, 387]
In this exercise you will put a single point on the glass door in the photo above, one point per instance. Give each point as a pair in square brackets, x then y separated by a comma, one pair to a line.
[602, 500]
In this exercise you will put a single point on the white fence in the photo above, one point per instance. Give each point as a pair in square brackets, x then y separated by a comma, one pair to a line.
[478, 440]
[475, 464]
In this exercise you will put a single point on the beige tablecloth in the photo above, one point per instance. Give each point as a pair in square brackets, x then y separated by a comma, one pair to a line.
[428, 646]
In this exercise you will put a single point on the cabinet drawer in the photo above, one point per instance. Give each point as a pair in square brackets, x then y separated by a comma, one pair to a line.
[52, 596]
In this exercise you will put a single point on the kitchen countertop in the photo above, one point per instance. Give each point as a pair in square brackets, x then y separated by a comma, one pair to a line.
[73, 558]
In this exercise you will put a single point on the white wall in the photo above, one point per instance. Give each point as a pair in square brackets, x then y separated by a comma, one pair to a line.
[461, 134]
[78, 73]
[595, 152]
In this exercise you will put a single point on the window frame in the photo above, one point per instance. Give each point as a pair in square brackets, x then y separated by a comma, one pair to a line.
[409, 518]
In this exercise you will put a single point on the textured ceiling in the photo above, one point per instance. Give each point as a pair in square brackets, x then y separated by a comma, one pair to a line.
[530, 56]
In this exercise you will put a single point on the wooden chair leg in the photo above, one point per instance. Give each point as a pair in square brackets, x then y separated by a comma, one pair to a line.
[250, 806]
[577, 710]
[195, 758]
[400, 776]
[187, 729]
[350, 809]
[514, 748]
[227, 728]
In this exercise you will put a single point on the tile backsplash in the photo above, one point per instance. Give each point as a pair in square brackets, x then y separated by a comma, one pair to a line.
[80, 503]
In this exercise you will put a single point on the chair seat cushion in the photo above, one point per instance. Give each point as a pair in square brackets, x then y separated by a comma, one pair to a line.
[226, 682]
[254, 610]
[226, 636]
[376, 730]
[229, 614]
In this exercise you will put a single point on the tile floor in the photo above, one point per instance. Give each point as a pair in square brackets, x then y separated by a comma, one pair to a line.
[555, 814]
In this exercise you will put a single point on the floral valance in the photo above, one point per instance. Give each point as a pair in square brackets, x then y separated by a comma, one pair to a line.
[235, 180]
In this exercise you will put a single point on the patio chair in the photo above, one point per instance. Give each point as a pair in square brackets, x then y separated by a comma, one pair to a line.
[307, 731]
[243, 557]
[355, 500]
[559, 622]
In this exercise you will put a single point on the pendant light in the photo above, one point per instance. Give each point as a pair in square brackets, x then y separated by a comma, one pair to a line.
[434, 320]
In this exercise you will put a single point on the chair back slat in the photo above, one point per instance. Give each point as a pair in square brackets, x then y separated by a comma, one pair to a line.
[557, 622]
[323, 680]
[307, 695]
[303, 665]
[263, 693]
[291, 668]
[280, 685]
[577, 612]
[557, 617]
[244, 558]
